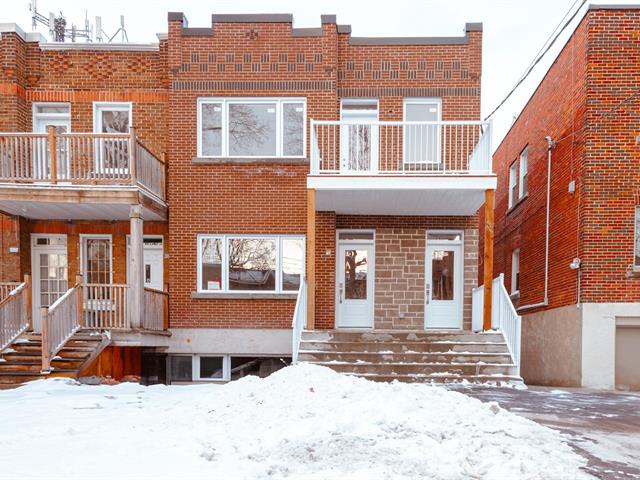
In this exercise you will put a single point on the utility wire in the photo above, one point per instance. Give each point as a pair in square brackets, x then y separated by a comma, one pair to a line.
[540, 56]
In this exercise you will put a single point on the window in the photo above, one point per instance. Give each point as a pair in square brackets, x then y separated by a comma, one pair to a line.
[112, 154]
[111, 117]
[96, 255]
[515, 271]
[244, 263]
[636, 263]
[181, 368]
[422, 142]
[208, 368]
[513, 183]
[522, 180]
[251, 127]
[219, 367]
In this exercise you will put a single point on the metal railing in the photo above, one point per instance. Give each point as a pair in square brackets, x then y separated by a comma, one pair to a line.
[400, 148]
[156, 310]
[80, 159]
[59, 323]
[504, 316]
[15, 313]
[104, 306]
[299, 320]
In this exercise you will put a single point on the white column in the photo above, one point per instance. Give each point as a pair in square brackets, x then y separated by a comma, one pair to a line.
[136, 268]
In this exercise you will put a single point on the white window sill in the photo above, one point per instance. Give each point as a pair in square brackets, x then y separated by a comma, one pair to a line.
[244, 296]
[249, 160]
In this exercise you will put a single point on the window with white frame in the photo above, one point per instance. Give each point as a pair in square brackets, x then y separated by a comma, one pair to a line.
[250, 263]
[636, 262]
[422, 141]
[524, 166]
[515, 271]
[111, 117]
[96, 256]
[112, 153]
[513, 183]
[251, 127]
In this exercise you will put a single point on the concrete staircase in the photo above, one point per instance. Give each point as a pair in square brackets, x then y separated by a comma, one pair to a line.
[413, 356]
[22, 360]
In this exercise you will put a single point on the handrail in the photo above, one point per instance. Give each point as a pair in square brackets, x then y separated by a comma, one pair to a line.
[504, 316]
[351, 147]
[299, 320]
[15, 313]
[156, 310]
[105, 306]
[60, 322]
[6, 288]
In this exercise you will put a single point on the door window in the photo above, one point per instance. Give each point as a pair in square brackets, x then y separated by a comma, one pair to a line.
[97, 260]
[355, 274]
[53, 277]
[442, 278]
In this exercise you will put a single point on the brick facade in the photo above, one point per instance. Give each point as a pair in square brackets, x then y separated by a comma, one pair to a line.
[586, 104]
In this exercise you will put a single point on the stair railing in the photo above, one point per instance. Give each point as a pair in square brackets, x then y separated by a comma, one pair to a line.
[299, 320]
[15, 312]
[60, 321]
[504, 316]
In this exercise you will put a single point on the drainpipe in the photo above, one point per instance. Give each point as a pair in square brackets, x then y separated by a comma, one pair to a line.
[545, 302]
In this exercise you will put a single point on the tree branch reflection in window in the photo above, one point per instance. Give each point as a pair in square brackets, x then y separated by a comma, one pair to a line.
[252, 264]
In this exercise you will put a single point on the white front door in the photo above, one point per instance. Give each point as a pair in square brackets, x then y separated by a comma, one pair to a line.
[50, 273]
[355, 292]
[41, 163]
[359, 136]
[443, 285]
[153, 261]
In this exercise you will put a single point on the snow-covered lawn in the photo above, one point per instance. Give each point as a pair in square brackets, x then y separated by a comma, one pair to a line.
[303, 422]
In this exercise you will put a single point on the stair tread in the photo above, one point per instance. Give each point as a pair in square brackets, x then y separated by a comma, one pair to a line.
[457, 364]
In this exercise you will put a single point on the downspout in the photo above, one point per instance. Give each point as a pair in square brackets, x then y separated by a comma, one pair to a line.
[545, 302]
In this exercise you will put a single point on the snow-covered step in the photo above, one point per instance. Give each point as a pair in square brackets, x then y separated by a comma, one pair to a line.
[402, 336]
[392, 368]
[404, 347]
[404, 357]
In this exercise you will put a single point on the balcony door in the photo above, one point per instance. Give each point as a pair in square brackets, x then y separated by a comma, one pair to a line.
[443, 280]
[50, 272]
[112, 153]
[359, 136]
[57, 115]
[421, 140]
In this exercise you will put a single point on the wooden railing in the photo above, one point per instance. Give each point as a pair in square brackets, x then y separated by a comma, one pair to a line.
[15, 312]
[105, 306]
[80, 159]
[156, 310]
[6, 288]
[59, 322]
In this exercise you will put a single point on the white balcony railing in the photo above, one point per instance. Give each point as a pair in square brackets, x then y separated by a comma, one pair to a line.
[400, 148]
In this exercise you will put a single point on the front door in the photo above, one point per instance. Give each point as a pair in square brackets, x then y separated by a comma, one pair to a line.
[443, 285]
[359, 136]
[50, 273]
[355, 285]
[153, 262]
[42, 163]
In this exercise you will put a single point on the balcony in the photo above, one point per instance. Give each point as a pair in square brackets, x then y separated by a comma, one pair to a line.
[79, 176]
[400, 168]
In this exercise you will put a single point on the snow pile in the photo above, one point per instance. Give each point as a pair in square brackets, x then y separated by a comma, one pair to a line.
[303, 422]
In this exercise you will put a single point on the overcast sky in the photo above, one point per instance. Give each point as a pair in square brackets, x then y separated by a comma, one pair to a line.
[514, 30]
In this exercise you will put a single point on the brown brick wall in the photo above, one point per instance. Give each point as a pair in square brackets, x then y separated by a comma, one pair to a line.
[9, 237]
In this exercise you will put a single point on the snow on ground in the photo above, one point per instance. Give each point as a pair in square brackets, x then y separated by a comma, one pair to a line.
[302, 422]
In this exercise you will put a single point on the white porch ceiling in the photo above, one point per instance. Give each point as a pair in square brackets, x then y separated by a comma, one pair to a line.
[72, 211]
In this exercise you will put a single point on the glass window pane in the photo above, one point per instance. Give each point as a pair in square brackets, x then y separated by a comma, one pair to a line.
[243, 366]
[454, 237]
[442, 275]
[211, 367]
[355, 274]
[115, 121]
[212, 129]
[211, 264]
[292, 262]
[98, 260]
[293, 129]
[59, 109]
[252, 129]
[421, 142]
[355, 235]
[181, 369]
[252, 264]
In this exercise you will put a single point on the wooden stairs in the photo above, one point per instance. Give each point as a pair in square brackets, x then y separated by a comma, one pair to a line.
[447, 357]
[22, 360]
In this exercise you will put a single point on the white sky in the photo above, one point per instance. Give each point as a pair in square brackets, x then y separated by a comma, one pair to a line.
[514, 30]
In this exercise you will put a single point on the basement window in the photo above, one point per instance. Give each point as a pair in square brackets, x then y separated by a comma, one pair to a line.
[251, 127]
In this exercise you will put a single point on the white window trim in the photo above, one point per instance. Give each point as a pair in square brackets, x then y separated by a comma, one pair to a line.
[422, 101]
[359, 101]
[83, 254]
[195, 368]
[225, 101]
[515, 254]
[50, 116]
[513, 181]
[225, 262]
[521, 174]
[97, 127]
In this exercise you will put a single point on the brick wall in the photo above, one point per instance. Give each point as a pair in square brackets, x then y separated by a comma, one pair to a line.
[9, 238]
[578, 105]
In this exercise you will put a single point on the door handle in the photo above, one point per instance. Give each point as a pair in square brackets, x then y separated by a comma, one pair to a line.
[340, 287]
[427, 293]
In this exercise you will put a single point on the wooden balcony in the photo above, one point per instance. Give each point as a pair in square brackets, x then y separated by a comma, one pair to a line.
[79, 176]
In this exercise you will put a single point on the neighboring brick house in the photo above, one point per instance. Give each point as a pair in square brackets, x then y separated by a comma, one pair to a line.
[582, 328]
[299, 160]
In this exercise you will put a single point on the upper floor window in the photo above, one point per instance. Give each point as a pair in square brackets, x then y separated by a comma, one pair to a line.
[522, 180]
[251, 127]
[57, 115]
[515, 271]
[513, 184]
[636, 262]
[422, 140]
[111, 117]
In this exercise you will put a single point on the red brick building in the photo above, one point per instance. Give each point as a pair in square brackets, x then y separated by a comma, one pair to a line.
[581, 301]
[312, 177]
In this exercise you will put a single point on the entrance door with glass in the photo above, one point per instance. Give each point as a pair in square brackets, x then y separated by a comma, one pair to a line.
[444, 279]
[57, 116]
[355, 282]
[153, 262]
[50, 273]
[359, 136]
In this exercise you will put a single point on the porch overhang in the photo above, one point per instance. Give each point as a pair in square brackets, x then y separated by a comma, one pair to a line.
[78, 202]
[456, 195]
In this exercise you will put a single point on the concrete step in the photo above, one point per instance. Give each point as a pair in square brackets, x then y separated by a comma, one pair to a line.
[389, 369]
[400, 336]
[498, 380]
[404, 347]
[392, 357]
